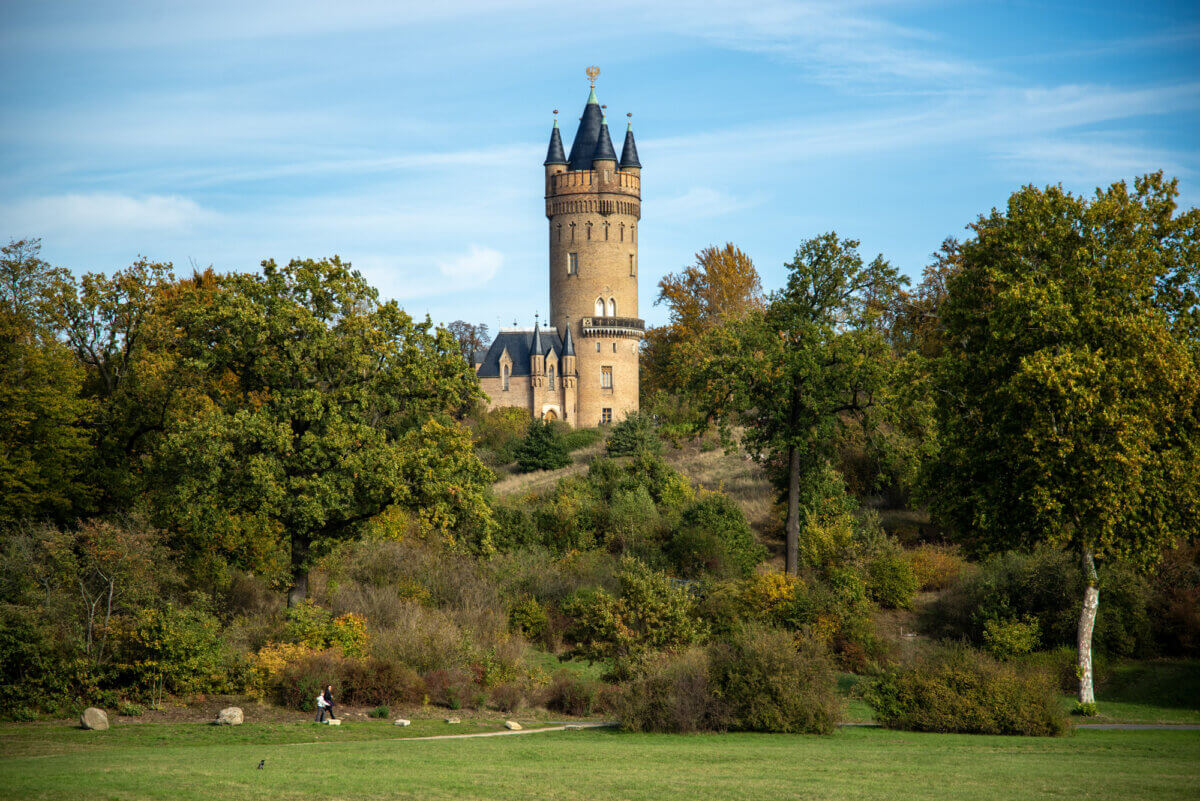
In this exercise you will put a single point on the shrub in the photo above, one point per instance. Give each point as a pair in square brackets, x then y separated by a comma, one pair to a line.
[508, 697]
[634, 435]
[377, 681]
[349, 633]
[379, 712]
[1085, 709]
[308, 624]
[714, 537]
[1005, 639]
[542, 449]
[772, 681]
[652, 613]
[454, 689]
[958, 689]
[129, 709]
[572, 694]
[171, 650]
[672, 693]
[574, 439]
[528, 618]
[300, 681]
[935, 567]
[890, 581]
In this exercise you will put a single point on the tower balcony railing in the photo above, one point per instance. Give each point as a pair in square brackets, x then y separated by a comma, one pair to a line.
[613, 327]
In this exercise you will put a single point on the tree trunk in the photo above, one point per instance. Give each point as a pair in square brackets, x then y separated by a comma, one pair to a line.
[299, 589]
[1087, 622]
[792, 558]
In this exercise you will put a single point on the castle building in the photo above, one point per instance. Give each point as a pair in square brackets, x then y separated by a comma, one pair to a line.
[583, 367]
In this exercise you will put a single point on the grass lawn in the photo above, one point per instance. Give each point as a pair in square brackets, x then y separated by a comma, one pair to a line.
[198, 761]
[1150, 692]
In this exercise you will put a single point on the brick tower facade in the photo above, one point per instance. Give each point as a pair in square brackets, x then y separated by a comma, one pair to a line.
[593, 204]
[584, 368]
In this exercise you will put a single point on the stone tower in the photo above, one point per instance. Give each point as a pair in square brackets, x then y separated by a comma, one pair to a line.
[594, 203]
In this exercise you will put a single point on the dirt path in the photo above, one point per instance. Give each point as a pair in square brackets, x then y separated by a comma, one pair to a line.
[503, 733]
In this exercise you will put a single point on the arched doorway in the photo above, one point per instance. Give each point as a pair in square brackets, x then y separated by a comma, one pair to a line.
[549, 415]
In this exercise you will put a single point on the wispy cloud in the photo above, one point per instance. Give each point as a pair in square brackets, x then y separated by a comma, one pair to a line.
[477, 266]
[698, 202]
[103, 211]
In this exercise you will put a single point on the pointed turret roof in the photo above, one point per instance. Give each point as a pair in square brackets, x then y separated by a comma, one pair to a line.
[586, 135]
[568, 342]
[554, 153]
[629, 156]
[536, 348]
[604, 146]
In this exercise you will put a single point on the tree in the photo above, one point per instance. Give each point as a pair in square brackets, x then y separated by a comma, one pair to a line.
[721, 286]
[471, 338]
[1068, 391]
[542, 448]
[44, 435]
[310, 390]
[800, 372]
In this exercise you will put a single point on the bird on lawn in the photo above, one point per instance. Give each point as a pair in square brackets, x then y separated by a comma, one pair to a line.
[261, 762]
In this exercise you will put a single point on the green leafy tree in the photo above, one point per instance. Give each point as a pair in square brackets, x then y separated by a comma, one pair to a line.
[634, 435]
[802, 371]
[542, 448]
[311, 391]
[1068, 391]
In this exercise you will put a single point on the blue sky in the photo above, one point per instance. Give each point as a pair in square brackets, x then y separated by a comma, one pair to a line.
[408, 138]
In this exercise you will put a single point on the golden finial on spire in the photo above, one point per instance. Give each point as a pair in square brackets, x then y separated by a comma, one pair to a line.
[592, 72]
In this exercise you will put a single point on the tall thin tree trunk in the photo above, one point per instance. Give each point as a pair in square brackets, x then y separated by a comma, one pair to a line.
[792, 558]
[1087, 623]
[299, 589]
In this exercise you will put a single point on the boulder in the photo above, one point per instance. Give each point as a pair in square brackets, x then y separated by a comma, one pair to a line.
[401, 722]
[454, 720]
[94, 719]
[333, 722]
[230, 716]
[512, 725]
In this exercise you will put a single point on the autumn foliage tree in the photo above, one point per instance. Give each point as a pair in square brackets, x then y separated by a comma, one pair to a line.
[1068, 389]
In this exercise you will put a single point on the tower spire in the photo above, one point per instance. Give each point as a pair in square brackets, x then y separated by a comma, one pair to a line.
[629, 154]
[604, 145]
[588, 133]
[554, 153]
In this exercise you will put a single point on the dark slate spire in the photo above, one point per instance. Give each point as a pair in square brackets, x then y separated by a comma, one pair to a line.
[629, 157]
[536, 348]
[568, 343]
[604, 148]
[555, 154]
[586, 135]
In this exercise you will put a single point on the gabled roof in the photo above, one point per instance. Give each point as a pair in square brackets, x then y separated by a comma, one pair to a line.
[586, 135]
[629, 156]
[519, 344]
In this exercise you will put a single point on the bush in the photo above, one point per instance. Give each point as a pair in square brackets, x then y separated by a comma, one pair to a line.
[1046, 585]
[760, 679]
[652, 613]
[1005, 639]
[129, 709]
[890, 581]
[453, 689]
[634, 435]
[935, 567]
[380, 712]
[508, 697]
[773, 681]
[542, 449]
[308, 624]
[498, 433]
[574, 439]
[171, 650]
[377, 681]
[713, 537]
[572, 694]
[528, 618]
[958, 689]
[672, 693]
[1087, 710]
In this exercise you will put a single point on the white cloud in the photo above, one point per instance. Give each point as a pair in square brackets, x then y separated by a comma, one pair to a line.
[698, 202]
[103, 211]
[476, 266]
[1092, 159]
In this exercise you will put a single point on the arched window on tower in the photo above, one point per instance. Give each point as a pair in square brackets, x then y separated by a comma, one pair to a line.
[605, 232]
[572, 226]
[559, 226]
[612, 307]
[622, 232]
[589, 231]
[599, 307]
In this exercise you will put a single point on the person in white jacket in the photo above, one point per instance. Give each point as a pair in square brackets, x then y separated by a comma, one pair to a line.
[322, 704]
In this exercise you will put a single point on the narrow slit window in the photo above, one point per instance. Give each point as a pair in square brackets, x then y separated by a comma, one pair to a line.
[632, 265]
